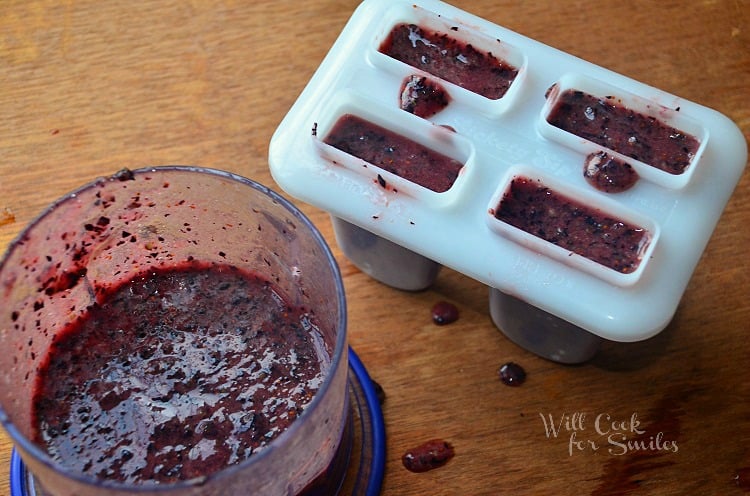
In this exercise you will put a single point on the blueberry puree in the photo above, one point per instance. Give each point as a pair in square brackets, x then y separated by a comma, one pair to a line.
[422, 97]
[608, 123]
[176, 374]
[512, 374]
[609, 174]
[536, 209]
[450, 59]
[428, 456]
[394, 153]
[444, 312]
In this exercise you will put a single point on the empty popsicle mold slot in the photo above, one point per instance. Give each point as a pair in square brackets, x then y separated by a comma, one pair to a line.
[658, 141]
[478, 70]
[577, 228]
[398, 151]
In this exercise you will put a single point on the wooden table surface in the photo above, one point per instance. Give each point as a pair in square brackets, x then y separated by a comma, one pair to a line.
[87, 88]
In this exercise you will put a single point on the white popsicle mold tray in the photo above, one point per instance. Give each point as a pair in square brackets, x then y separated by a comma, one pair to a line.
[498, 140]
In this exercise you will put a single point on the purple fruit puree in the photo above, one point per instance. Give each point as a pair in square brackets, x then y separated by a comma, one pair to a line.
[394, 153]
[538, 210]
[176, 374]
[608, 123]
[450, 59]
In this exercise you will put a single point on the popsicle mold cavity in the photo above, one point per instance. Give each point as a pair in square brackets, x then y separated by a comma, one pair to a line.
[660, 142]
[479, 71]
[394, 153]
[649, 215]
[577, 228]
[395, 150]
[448, 58]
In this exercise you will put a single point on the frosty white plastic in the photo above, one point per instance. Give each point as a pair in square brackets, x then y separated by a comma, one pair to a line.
[494, 138]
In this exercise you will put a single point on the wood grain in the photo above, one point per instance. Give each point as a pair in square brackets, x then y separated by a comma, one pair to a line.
[87, 88]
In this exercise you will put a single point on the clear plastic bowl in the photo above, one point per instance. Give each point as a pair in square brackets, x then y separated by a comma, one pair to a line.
[171, 214]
